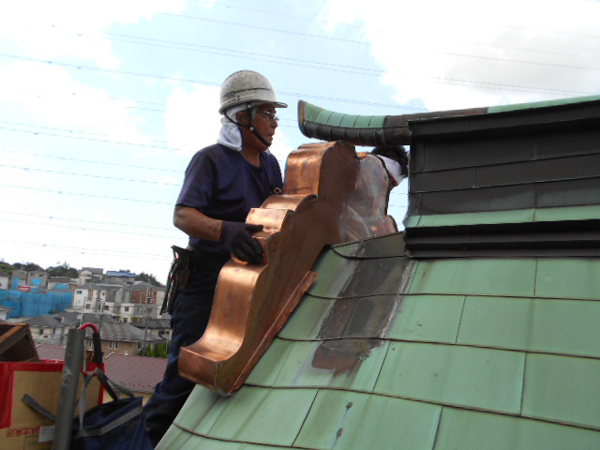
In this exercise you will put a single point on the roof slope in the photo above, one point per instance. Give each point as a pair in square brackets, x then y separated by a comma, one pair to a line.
[482, 334]
[389, 352]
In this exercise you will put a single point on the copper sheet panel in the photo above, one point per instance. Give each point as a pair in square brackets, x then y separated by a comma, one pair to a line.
[330, 196]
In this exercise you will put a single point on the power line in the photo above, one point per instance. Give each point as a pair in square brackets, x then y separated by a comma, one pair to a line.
[81, 194]
[72, 227]
[311, 19]
[95, 222]
[356, 42]
[86, 175]
[486, 85]
[91, 161]
[70, 136]
[85, 250]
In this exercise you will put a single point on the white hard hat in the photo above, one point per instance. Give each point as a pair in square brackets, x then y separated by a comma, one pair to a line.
[247, 86]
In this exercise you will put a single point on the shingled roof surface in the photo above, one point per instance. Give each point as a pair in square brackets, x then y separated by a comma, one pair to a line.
[480, 334]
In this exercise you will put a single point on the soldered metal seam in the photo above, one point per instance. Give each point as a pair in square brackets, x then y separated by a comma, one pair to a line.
[523, 384]
[449, 344]
[427, 402]
[263, 444]
[462, 311]
[306, 417]
[437, 429]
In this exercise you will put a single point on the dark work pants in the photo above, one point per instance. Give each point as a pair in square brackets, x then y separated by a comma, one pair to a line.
[189, 320]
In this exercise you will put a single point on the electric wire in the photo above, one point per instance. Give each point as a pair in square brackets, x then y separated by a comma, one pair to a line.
[87, 175]
[452, 81]
[83, 194]
[95, 222]
[86, 250]
[90, 161]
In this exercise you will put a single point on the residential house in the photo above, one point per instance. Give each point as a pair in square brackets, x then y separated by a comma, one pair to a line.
[158, 327]
[90, 275]
[105, 297]
[18, 278]
[53, 328]
[4, 281]
[37, 279]
[56, 283]
[3, 313]
[47, 328]
[139, 374]
[121, 276]
[122, 338]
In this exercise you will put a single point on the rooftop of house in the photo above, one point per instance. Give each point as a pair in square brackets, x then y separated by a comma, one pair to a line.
[153, 324]
[119, 273]
[477, 328]
[138, 373]
[51, 351]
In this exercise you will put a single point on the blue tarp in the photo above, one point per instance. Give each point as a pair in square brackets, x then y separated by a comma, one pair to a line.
[31, 304]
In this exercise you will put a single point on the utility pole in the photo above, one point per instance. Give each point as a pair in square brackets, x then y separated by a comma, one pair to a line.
[145, 319]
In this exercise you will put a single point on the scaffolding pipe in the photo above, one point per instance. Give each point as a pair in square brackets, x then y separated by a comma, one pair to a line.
[68, 389]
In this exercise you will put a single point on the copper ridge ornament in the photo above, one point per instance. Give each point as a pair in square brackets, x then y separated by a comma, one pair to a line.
[330, 196]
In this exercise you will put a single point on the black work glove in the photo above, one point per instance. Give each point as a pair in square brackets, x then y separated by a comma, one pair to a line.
[236, 238]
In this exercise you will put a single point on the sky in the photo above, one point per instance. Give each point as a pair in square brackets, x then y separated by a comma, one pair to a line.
[104, 103]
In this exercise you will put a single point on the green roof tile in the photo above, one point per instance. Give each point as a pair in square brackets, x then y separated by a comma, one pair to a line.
[472, 430]
[349, 364]
[194, 442]
[306, 321]
[568, 278]
[247, 416]
[356, 278]
[431, 318]
[485, 276]
[475, 218]
[568, 327]
[562, 388]
[352, 421]
[454, 375]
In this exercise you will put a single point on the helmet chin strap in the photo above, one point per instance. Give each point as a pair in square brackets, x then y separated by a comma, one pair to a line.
[250, 126]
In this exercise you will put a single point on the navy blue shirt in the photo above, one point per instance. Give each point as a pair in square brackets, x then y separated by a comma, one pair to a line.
[221, 184]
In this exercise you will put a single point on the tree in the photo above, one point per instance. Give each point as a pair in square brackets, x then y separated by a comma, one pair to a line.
[156, 351]
[29, 266]
[149, 278]
[62, 270]
[6, 267]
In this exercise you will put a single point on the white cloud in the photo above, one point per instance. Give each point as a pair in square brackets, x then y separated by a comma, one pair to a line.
[50, 92]
[44, 29]
[469, 53]
[192, 120]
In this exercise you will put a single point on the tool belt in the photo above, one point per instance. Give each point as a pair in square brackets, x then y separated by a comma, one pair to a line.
[185, 262]
[178, 278]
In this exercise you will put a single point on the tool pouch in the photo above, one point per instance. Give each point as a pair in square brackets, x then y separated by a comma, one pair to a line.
[178, 278]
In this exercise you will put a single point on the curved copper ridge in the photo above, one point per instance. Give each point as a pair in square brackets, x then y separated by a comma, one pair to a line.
[327, 191]
[320, 123]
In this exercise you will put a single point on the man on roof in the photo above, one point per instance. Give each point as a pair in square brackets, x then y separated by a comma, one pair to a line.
[222, 183]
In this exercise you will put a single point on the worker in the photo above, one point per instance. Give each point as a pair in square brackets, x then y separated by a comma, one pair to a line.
[395, 160]
[222, 182]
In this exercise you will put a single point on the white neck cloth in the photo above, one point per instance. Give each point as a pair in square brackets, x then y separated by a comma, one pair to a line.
[394, 168]
[230, 135]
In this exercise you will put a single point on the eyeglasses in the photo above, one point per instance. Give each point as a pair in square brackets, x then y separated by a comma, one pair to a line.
[269, 115]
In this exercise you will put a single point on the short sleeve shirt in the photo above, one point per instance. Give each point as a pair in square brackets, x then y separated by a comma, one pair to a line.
[221, 184]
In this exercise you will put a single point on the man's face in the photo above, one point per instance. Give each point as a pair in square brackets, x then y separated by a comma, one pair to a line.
[265, 122]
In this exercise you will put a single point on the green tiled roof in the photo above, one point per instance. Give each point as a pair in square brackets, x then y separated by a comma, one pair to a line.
[393, 353]
[483, 334]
